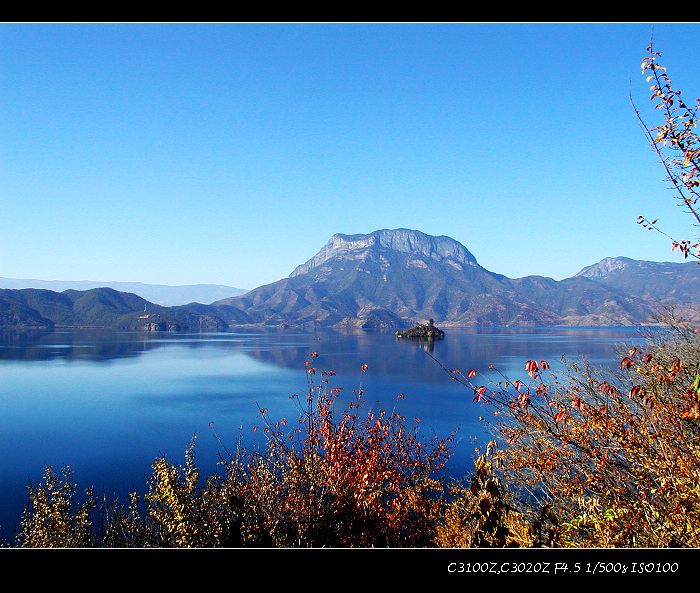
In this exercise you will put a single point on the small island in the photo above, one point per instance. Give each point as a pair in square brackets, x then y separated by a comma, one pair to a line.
[426, 331]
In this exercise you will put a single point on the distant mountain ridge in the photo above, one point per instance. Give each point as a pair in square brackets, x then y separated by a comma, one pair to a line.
[32, 308]
[666, 282]
[156, 293]
[388, 278]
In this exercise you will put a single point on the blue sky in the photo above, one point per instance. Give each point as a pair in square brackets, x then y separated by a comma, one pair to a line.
[230, 153]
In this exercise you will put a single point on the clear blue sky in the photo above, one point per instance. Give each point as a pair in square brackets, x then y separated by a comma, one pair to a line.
[230, 153]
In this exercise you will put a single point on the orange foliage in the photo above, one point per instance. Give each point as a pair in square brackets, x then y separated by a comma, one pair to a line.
[347, 479]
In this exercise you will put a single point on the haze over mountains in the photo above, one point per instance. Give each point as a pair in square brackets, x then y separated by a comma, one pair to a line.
[387, 278]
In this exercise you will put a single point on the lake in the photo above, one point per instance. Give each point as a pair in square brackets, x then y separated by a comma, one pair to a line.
[108, 403]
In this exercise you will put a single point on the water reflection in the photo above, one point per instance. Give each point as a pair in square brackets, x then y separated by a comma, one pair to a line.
[461, 348]
[474, 346]
[107, 403]
[106, 345]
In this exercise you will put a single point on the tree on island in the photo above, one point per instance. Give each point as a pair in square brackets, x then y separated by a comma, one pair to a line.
[426, 330]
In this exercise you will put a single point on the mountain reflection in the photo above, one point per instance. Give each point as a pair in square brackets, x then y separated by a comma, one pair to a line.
[69, 345]
[342, 351]
[345, 352]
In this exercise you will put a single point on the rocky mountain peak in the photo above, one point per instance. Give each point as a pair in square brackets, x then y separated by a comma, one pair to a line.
[400, 240]
[604, 267]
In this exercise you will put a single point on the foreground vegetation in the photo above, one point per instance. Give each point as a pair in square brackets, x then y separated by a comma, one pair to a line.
[582, 459]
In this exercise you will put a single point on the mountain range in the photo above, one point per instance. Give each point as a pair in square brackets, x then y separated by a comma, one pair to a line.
[160, 294]
[388, 278]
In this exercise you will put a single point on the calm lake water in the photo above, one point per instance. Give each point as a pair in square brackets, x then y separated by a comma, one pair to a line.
[108, 404]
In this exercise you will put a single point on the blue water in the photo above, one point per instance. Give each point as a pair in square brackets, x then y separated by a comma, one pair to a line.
[108, 403]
